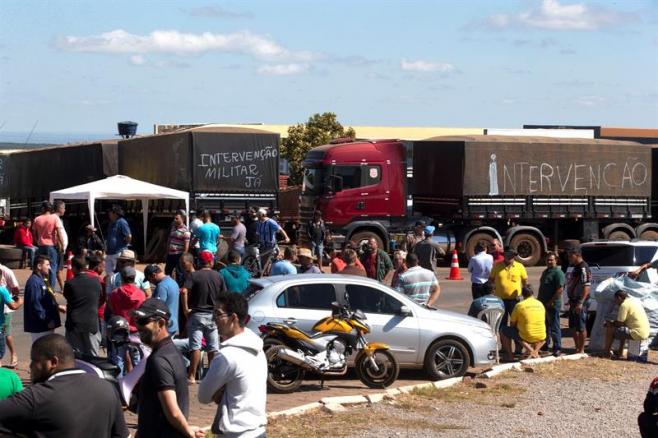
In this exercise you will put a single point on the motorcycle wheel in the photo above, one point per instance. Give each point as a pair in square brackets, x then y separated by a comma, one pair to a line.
[382, 378]
[252, 265]
[282, 377]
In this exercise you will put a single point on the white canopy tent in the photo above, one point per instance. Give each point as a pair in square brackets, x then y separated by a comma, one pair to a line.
[124, 188]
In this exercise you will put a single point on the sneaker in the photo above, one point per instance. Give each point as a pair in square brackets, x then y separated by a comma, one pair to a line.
[558, 353]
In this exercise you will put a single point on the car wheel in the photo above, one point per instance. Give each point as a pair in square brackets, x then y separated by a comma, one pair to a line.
[447, 358]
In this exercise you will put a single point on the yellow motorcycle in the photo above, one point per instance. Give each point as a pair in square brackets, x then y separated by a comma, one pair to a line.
[291, 352]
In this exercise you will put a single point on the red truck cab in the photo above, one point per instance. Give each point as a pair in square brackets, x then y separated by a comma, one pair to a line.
[355, 181]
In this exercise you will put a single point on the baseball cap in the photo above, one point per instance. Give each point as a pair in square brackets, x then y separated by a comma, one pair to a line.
[128, 272]
[206, 257]
[150, 308]
[429, 229]
[151, 269]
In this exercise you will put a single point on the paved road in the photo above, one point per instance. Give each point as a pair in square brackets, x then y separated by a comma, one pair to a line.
[455, 295]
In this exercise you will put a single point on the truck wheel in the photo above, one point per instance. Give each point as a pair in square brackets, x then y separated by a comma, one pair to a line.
[619, 235]
[363, 236]
[483, 238]
[649, 235]
[527, 247]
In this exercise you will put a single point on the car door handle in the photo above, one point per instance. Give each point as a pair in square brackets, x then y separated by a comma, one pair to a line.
[361, 205]
[290, 321]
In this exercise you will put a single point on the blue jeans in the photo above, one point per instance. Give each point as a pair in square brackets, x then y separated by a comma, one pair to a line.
[53, 255]
[553, 331]
[509, 307]
[31, 252]
[317, 249]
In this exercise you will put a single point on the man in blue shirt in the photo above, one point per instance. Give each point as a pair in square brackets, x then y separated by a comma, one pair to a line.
[285, 266]
[166, 290]
[267, 231]
[479, 266]
[41, 311]
[118, 238]
[486, 301]
[207, 234]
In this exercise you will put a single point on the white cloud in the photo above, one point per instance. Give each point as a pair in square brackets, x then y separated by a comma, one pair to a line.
[553, 15]
[283, 69]
[589, 101]
[426, 66]
[175, 42]
[137, 60]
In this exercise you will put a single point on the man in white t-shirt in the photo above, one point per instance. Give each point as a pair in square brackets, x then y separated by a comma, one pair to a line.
[8, 280]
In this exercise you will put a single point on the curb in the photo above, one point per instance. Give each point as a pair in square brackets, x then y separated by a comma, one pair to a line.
[336, 404]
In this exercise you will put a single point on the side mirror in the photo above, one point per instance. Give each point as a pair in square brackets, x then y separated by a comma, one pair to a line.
[404, 312]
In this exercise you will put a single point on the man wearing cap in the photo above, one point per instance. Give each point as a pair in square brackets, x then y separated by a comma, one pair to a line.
[267, 230]
[375, 261]
[90, 241]
[82, 294]
[428, 251]
[121, 302]
[118, 237]
[167, 291]
[163, 393]
[509, 278]
[127, 258]
[45, 233]
[305, 257]
[200, 293]
[412, 239]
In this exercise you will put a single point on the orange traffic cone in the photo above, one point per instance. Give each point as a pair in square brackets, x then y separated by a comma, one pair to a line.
[69, 269]
[454, 268]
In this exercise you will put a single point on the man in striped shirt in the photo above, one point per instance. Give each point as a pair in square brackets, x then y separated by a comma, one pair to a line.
[179, 243]
[418, 283]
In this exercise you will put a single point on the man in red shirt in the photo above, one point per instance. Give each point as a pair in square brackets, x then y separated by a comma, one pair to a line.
[23, 240]
[126, 297]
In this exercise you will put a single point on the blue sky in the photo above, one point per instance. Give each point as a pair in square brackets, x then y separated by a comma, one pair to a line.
[81, 66]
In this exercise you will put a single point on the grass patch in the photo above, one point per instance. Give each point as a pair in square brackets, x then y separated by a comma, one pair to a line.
[467, 391]
[350, 423]
[592, 368]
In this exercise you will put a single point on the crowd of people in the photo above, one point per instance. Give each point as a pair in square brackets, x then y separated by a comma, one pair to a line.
[196, 305]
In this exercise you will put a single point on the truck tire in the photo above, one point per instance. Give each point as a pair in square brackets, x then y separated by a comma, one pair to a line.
[363, 236]
[484, 238]
[619, 235]
[528, 248]
[649, 235]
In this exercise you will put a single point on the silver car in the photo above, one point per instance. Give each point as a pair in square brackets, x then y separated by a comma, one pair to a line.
[444, 343]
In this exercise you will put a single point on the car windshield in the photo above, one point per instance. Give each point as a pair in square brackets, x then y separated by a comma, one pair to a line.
[618, 255]
[312, 181]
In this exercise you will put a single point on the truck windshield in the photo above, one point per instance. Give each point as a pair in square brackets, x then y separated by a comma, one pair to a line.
[313, 181]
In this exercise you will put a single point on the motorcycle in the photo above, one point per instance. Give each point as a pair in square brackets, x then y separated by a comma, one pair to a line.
[103, 368]
[291, 352]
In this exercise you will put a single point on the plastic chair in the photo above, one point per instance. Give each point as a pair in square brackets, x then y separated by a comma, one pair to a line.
[493, 316]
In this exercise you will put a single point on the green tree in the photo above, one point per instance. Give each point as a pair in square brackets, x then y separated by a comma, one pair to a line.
[318, 130]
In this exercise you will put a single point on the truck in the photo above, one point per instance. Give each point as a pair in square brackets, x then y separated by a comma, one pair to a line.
[533, 194]
[225, 170]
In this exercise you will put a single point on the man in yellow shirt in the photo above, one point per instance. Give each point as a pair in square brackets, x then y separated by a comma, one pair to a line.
[509, 276]
[527, 326]
[632, 323]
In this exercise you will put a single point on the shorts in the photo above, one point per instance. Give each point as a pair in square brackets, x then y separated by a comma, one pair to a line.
[622, 333]
[110, 263]
[511, 332]
[578, 320]
[202, 325]
[6, 327]
[61, 261]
